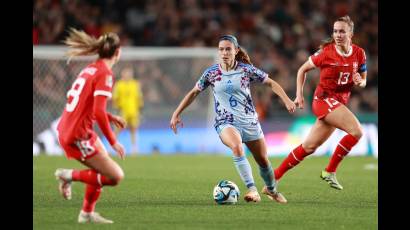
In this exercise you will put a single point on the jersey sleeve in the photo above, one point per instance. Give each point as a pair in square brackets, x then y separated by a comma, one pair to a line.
[102, 118]
[317, 58]
[362, 62]
[257, 74]
[203, 81]
[104, 85]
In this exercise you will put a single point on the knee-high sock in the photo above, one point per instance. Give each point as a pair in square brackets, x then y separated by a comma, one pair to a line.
[342, 149]
[92, 193]
[244, 169]
[267, 176]
[293, 159]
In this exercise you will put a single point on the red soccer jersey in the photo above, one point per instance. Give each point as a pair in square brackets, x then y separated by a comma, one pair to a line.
[336, 71]
[77, 120]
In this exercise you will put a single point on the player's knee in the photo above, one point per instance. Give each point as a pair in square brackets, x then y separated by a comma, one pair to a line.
[264, 163]
[310, 147]
[237, 149]
[117, 177]
[357, 133]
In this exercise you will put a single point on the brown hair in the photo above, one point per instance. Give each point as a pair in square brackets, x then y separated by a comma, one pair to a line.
[242, 56]
[82, 44]
[331, 40]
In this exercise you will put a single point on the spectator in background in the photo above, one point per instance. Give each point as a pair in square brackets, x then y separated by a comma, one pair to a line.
[128, 99]
[283, 28]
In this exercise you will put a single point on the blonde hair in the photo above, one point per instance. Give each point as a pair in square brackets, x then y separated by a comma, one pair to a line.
[242, 56]
[331, 40]
[82, 44]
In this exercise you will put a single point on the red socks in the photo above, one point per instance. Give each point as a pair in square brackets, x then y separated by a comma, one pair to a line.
[294, 157]
[91, 196]
[92, 177]
[342, 149]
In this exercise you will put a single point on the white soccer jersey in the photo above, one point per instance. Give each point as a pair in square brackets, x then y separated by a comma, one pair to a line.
[231, 90]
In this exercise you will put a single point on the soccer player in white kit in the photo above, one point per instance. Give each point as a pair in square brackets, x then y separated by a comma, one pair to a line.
[236, 119]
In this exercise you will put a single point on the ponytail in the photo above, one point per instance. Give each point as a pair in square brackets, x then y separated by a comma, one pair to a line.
[81, 44]
[242, 56]
[326, 42]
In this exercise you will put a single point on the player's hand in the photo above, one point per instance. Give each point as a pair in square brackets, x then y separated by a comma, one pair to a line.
[119, 149]
[290, 106]
[299, 102]
[118, 121]
[175, 120]
[357, 79]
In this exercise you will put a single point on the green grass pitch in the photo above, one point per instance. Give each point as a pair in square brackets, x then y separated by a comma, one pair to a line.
[175, 192]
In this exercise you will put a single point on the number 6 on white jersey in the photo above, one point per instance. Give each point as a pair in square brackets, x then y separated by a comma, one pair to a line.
[75, 93]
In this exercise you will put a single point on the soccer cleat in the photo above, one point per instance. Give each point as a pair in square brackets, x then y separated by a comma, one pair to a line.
[92, 217]
[330, 178]
[64, 178]
[274, 195]
[252, 195]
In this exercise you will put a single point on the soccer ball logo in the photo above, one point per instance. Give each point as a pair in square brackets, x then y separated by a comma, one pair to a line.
[226, 192]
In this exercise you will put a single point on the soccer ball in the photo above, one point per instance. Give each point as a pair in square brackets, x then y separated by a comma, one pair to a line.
[226, 192]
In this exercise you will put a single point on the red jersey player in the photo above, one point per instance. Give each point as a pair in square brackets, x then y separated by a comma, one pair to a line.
[86, 103]
[342, 65]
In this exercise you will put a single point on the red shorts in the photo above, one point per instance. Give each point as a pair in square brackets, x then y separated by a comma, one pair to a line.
[321, 107]
[79, 149]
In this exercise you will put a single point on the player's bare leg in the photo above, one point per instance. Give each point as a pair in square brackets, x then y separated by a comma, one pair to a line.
[345, 120]
[104, 164]
[111, 174]
[232, 139]
[259, 151]
[342, 118]
[318, 134]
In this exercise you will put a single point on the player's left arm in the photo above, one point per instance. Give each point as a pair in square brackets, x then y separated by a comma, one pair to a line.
[359, 78]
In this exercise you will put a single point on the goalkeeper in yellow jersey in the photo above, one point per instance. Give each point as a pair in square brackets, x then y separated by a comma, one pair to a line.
[129, 100]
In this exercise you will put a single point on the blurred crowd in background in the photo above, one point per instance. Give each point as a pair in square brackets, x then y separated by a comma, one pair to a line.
[278, 35]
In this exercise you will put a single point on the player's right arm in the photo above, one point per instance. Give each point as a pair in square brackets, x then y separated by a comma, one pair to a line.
[188, 99]
[103, 88]
[100, 103]
[300, 82]
[200, 86]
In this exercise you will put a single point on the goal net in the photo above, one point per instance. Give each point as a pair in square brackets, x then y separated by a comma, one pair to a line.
[165, 74]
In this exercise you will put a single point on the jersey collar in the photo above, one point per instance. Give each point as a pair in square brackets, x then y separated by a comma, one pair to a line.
[342, 54]
[233, 69]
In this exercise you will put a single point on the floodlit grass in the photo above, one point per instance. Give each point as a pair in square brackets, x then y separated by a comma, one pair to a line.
[175, 192]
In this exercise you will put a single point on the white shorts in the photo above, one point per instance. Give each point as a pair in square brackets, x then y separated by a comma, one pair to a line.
[248, 132]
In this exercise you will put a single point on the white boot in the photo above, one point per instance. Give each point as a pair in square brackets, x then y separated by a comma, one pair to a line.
[92, 217]
[64, 177]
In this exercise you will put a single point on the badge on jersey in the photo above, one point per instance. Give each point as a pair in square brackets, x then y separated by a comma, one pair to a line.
[108, 81]
[229, 87]
[355, 67]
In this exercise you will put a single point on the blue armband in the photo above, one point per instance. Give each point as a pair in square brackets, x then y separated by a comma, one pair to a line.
[362, 68]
